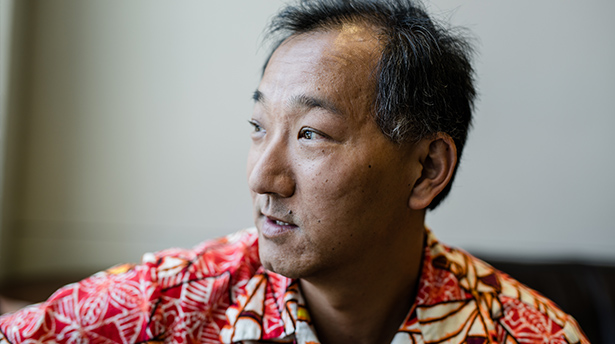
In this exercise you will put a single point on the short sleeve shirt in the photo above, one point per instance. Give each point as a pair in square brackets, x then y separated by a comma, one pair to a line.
[218, 292]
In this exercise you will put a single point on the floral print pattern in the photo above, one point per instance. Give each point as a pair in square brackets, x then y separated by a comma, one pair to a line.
[219, 293]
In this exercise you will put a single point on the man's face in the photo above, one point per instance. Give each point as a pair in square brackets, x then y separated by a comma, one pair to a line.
[329, 189]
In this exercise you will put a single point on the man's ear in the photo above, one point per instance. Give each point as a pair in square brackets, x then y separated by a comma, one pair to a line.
[438, 158]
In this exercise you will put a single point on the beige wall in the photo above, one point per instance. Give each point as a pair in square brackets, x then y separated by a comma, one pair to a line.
[135, 129]
[14, 43]
[538, 177]
[6, 9]
[135, 134]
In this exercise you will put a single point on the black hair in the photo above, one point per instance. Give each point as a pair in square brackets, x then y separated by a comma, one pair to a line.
[424, 78]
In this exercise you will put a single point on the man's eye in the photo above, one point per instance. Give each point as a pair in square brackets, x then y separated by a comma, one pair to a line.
[309, 134]
[257, 127]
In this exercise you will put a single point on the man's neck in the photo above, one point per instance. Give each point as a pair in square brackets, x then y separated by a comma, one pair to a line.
[366, 305]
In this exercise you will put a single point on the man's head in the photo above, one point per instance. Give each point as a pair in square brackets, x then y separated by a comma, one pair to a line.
[338, 175]
[424, 79]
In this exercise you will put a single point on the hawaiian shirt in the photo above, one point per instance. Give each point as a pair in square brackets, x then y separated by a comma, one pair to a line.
[218, 292]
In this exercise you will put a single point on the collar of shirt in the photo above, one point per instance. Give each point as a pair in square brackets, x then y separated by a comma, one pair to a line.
[455, 302]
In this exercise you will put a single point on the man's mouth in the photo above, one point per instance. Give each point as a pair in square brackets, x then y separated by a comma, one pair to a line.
[278, 221]
[273, 227]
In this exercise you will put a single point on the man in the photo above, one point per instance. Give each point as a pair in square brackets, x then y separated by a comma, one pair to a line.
[360, 119]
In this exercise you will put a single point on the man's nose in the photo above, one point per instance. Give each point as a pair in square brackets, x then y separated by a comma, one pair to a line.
[271, 172]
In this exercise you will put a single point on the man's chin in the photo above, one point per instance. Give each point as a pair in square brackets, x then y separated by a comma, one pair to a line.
[281, 270]
[279, 263]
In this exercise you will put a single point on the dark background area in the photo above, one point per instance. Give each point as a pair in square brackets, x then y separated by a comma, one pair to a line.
[585, 291]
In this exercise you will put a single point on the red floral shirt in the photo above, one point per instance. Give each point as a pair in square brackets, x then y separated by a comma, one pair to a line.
[219, 293]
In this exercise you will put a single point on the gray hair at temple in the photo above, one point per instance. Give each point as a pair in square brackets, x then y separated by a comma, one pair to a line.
[424, 78]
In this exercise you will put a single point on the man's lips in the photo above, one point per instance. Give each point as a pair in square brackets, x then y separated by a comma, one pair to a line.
[273, 227]
[279, 221]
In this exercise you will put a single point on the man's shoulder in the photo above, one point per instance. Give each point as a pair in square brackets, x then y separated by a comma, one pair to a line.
[233, 254]
[178, 294]
[513, 310]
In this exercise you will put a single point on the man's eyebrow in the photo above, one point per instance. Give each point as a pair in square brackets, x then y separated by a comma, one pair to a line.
[257, 96]
[313, 102]
[303, 101]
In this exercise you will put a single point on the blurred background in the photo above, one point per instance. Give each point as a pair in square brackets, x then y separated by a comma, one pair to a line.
[123, 130]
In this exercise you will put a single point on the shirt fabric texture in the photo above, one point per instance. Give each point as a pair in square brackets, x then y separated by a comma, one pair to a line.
[218, 292]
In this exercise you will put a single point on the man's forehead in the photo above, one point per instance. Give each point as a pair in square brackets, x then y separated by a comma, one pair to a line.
[347, 45]
[350, 33]
[329, 70]
[348, 53]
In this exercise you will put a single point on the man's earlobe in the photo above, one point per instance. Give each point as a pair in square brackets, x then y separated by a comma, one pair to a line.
[438, 160]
